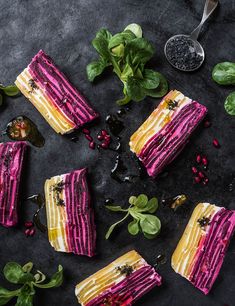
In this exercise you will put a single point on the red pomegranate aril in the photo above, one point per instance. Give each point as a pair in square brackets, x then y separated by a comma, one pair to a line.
[88, 137]
[205, 181]
[207, 124]
[85, 131]
[100, 137]
[32, 232]
[201, 174]
[204, 161]
[194, 170]
[216, 143]
[104, 145]
[28, 224]
[92, 145]
[104, 132]
[27, 232]
[197, 179]
[198, 158]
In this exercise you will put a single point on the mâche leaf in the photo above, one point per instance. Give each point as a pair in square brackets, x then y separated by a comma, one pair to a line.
[128, 52]
[229, 104]
[224, 74]
[10, 90]
[140, 210]
[17, 274]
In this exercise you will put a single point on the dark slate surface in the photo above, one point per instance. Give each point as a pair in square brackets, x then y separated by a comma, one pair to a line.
[64, 29]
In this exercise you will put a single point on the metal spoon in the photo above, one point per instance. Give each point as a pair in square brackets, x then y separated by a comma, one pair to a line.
[184, 52]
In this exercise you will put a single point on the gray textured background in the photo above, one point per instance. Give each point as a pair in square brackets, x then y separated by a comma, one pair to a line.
[64, 29]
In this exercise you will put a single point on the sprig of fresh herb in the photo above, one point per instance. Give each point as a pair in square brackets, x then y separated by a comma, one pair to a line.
[141, 210]
[127, 53]
[224, 74]
[9, 91]
[18, 274]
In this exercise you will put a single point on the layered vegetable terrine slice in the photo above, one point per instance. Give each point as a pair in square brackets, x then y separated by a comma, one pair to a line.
[70, 217]
[11, 160]
[166, 131]
[48, 89]
[201, 250]
[122, 282]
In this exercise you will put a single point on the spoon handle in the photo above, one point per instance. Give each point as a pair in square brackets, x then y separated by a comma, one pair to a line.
[209, 8]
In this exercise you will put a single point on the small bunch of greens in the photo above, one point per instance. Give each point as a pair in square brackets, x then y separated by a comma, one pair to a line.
[141, 210]
[17, 274]
[224, 74]
[127, 53]
[9, 91]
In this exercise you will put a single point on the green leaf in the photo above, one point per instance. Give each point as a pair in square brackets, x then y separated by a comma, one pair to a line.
[229, 104]
[95, 68]
[142, 201]
[110, 230]
[28, 267]
[161, 90]
[103, 33]
[14, 273]
[121, 38]
[135, 28]
[148, 236]
[133, 227]
[115, 208]
[137, 51]
[118, 50]
[100, 43]
[24, 299]
[1, 100]
[123, 101]
[134, 89]
[152, 205]
[224, 73]
[150, 224]
[150, 79]
[132, 200]
[6, 295]
[56, 280]
[11, 90]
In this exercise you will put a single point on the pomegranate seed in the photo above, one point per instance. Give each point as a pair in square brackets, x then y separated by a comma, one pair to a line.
[204, 161]
[32, 232]
[205, 181]
[92, 145]
[27, 232]
[88, 137]
[201, 175]
[194, 170]
[104, 145]
[216, 143]
[207, 124]
[100, 137]
[198, 158]
[28, 224]
[104, 132]
[197, 179]
[85, 131]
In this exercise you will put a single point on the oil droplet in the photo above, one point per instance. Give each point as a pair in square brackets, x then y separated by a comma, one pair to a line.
[115, 125]
[161, 260]
[175, 202]
[40, 201]
[22, 128]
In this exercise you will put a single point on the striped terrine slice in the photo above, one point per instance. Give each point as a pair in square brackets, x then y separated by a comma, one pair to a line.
[70, 217]
[11, 160]
[49, 90]
[122, 282]
[166, 131]
[201, 250]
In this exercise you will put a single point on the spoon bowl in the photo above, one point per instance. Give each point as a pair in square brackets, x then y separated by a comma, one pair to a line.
[184, 53]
